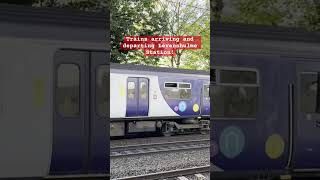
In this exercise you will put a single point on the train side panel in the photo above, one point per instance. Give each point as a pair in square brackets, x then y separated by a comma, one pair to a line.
[26, 108]
[251, 115]
[118, 98]
[187, 103]
[157, 104]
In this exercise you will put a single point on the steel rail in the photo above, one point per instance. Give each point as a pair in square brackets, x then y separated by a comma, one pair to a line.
[169, 174]
[119, 151]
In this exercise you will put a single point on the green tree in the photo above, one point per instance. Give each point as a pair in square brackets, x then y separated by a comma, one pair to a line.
[199, 59]
[311, 15]
[189, 17]
[290, 13]
[135, 18]
[265, 12]
[216, 7]
[18, 2]
[85, 5]
[151, 17]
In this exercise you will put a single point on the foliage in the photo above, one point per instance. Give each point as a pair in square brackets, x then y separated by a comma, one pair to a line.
[85, 5]
[151, 17]
[25, 2]
[260, 12]
[189, 17]
[311, 16]
[135, 18]
[290, 13]
[216, 7]
[199, 59]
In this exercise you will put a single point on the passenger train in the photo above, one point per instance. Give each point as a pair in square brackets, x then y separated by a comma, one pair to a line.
[264, 94]
[54, 76]
[155, 99]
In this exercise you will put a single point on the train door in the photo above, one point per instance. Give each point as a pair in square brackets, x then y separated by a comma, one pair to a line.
[99, 113]
[80, 126]
[205, 100]
[137, 97]
[307, 125]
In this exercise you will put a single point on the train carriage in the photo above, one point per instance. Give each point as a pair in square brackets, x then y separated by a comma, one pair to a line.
[54, 76]
[154, 99]
[264, 99]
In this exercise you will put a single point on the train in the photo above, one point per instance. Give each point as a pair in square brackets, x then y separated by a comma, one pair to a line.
[158, 100]
[54, 76]
[264, 96]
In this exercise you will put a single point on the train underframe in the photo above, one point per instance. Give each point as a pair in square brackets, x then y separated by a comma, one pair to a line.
[163, 126]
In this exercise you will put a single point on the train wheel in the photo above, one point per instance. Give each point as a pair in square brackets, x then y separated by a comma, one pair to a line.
[264, 177]
[204, 132]
[167, 129]
[167, 134]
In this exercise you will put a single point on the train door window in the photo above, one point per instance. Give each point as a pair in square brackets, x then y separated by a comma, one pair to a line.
[235, 95]
[101, 90]
[206, 91]
[131, 90]
[143, 90]
[68, 90]
[310, 95]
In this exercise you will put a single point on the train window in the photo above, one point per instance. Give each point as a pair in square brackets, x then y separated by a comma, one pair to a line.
[234, 102]
[171, 93]
[185, 93]
[184, 85]
[234, 76]
[310, 95]
[131, 90]
[213, 75]
[206, 91]
[170, 84]
[174, 91]
[235, 94]
[101, 91]
[143, 90]
[68, 90]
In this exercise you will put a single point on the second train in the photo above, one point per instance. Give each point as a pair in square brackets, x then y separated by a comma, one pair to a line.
[158, 100]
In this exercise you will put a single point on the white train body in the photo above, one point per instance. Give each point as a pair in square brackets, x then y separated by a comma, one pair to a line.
[118, 96]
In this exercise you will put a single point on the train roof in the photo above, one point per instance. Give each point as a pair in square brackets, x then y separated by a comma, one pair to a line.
[134, 67]
[262, 40]
[250, 31]
[53, 23]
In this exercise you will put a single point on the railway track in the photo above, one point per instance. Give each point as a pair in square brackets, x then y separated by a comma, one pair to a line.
[121, 151]
[180, 174]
